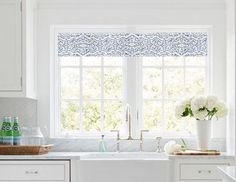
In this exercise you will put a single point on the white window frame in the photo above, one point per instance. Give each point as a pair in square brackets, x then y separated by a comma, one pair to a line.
[129, 96]
[102, 99]
[162, 99]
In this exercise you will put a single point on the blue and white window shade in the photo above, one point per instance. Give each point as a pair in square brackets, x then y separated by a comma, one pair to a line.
[133, 44]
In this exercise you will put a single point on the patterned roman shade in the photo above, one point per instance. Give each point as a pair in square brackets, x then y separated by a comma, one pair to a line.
[133, 44]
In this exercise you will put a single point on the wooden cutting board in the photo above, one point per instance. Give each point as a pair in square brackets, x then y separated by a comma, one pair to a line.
[198, 152]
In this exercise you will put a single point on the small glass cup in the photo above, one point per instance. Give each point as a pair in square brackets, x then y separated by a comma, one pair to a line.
[32, 136]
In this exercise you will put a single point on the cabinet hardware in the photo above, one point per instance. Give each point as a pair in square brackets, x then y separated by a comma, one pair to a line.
[31, 172]
[202, 171]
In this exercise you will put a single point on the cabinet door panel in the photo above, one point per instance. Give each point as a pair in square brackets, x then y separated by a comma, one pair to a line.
[34, 171]
[10, 45]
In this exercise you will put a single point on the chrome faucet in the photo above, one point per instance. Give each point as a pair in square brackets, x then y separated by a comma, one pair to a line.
[117, 140]
[158, 144]
[141, 139]
[128, 121]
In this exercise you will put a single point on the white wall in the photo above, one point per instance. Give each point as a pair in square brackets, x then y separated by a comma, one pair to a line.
[231, 48]
[25, 109]
[130, 12]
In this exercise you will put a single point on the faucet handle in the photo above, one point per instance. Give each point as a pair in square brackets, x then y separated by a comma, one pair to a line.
[158, 144]
[141, 133]
[158, 139]
[118, 134]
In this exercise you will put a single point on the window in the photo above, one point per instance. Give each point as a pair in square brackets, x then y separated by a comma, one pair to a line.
[165, 81]
[91, 93]
[93, 90]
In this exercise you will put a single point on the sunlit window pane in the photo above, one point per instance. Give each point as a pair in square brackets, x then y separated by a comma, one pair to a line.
[152, 83]
[70, 83]
[91, 61]
[152, 115]
[195, 61]
[113, 83]
[113, 115]
[91, 83]
[152, 61]
[173, 61]
[195, 81]
[70, 116]
[174, 83]
[92, 116]
[69, 61]
[113, 61]
[182, 77]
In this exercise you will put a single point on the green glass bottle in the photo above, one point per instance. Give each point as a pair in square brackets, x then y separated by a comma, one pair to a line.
[16, 131]
[1, 142]
[7, 133]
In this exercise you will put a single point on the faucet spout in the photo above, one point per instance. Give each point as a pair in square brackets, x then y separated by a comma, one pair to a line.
[128, 121]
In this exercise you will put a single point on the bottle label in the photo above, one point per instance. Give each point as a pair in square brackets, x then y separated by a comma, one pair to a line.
[16, 129]
[6, 129]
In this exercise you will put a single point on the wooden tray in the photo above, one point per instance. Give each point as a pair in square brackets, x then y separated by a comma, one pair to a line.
[198, 152]
[24, 150]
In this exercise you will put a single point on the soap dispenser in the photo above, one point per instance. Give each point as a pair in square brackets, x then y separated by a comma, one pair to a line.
[102, 145]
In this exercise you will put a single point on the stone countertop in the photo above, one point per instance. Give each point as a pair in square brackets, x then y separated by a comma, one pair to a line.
[228, 173]
[78, 155]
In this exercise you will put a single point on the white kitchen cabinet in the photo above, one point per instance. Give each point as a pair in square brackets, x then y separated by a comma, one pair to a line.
[199, 169]
[10, 45]
[17, 63]
[48, 170]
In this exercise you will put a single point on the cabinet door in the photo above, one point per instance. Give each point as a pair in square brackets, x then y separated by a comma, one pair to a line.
[10, 45]
[35, 171]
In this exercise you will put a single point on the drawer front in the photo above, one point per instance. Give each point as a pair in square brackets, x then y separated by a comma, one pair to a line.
[32, 171]
[199, 172]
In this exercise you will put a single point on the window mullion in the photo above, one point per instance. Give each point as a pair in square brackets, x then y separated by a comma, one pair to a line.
[81, 95]
[102, 94]
[184, 75]
[132, 93]
[163, 123]
[139, 94]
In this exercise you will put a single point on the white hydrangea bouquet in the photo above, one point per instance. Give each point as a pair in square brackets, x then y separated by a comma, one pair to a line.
[203, 109]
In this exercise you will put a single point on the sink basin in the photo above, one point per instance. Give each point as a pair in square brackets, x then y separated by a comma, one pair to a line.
[125, 156]
[124, 167]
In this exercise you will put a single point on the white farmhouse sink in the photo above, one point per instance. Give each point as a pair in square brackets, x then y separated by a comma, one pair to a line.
[124, 167]
[125, 156]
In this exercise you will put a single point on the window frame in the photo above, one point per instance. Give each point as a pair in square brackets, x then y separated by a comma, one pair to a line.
[102, 99]
[54, 131]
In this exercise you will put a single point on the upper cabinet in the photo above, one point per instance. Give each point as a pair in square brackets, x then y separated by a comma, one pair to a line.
[10, 45]
[17, 62]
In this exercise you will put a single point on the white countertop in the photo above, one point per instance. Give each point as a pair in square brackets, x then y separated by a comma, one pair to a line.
[228, 173]
[77, 155]
[50, 155]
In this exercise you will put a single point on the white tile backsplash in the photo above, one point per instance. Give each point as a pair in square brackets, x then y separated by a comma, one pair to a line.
[149, 145]
[25, 109]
